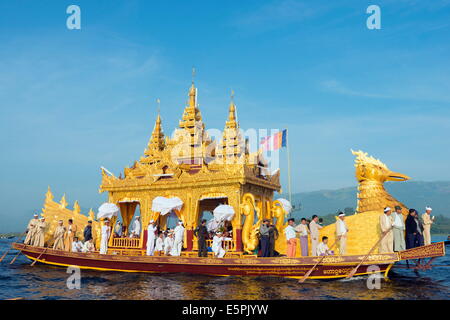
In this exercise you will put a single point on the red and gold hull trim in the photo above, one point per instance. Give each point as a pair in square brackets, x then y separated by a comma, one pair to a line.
[331, 266]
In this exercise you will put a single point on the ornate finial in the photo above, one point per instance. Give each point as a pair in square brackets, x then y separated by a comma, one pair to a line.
[49, 194]
[193, 74]
[63, 202]
[76, 207]
[91, 215]
[232, 95]
[159, 105]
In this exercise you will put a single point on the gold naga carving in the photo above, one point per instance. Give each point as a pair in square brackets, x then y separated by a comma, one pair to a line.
[54, 211]
[279, 213]
[250, 230]
[372, 198]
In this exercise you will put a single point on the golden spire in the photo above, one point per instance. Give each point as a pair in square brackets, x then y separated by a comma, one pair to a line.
[231, 144]
[231, 123]
[156, 142]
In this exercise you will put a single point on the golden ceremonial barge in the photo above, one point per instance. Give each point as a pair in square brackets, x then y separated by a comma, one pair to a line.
[204, 173]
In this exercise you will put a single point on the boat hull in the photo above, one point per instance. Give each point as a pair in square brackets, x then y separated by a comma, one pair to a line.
[331, 266]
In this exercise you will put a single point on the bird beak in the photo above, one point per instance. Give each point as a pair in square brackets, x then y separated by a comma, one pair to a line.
[395, 176]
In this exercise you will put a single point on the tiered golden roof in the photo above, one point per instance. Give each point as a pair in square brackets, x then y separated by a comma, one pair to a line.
[231, 149]
[155, 145]
[190, 166]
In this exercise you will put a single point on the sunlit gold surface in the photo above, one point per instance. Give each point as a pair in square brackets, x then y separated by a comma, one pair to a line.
[372, 198]
[54, 211]
[191, 166]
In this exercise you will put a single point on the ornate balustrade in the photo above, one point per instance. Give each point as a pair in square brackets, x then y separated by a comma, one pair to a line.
[126, 243]
[228, 245]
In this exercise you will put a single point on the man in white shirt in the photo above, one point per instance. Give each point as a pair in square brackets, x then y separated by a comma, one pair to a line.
[399, 229]
[88, 246]
[291, 239]
[322, 248]
[159, 245]
[427, 221]
[303, 230]
[178, 241]
[151, 236]
[168, 243]
[136, 233]
[341, 233]
[386, 224]
[106, 231]
[216, 247]
[77, 246]
[314, 228]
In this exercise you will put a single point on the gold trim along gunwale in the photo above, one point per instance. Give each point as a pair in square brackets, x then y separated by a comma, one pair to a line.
[248, 262]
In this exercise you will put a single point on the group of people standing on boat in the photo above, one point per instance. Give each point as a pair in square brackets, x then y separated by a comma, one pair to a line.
[305, 231]
[64, 238]
[399, 234]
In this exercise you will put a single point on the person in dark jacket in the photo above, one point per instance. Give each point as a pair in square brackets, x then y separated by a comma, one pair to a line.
[411, 229]
[201, 232]
[419, 237]
[273, 236]
[87, 233]
[265, 241]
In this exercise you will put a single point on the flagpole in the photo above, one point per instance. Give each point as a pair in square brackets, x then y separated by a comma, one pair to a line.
[289, 167]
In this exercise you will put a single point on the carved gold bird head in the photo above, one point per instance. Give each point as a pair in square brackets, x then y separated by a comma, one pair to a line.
[369, 168]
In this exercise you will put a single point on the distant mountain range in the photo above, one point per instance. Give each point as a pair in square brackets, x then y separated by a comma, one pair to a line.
[414, 194]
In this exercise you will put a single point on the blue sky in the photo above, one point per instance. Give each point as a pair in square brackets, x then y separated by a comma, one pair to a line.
[74, 100]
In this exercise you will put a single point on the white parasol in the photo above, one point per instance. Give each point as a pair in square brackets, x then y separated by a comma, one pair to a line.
[287, 206]
[223, 212]
[107, 210]
[165, 205]
[212, 225]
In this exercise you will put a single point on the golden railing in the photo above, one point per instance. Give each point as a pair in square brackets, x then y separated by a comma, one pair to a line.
[228, 245]
[126, 243]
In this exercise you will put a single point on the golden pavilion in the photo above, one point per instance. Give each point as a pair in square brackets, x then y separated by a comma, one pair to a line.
[202, 173]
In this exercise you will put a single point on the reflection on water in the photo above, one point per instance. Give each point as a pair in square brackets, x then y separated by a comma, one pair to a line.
[20, 280]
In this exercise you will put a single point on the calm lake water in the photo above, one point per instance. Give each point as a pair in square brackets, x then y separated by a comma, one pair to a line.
[23, 281]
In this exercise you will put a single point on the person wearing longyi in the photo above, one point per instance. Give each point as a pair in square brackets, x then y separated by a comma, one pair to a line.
[291, 238]
[341, 233]
[151, 237]
[314, 228]
[386, 224]
[106, 232]
[70, 234]
[398, 229]
[59, 236]
[136, 232]
[303, 231]
[265, 240]
[427, 221]
[31, 230]
[39, 238]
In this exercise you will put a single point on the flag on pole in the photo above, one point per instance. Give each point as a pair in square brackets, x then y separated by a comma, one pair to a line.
[275, 141]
